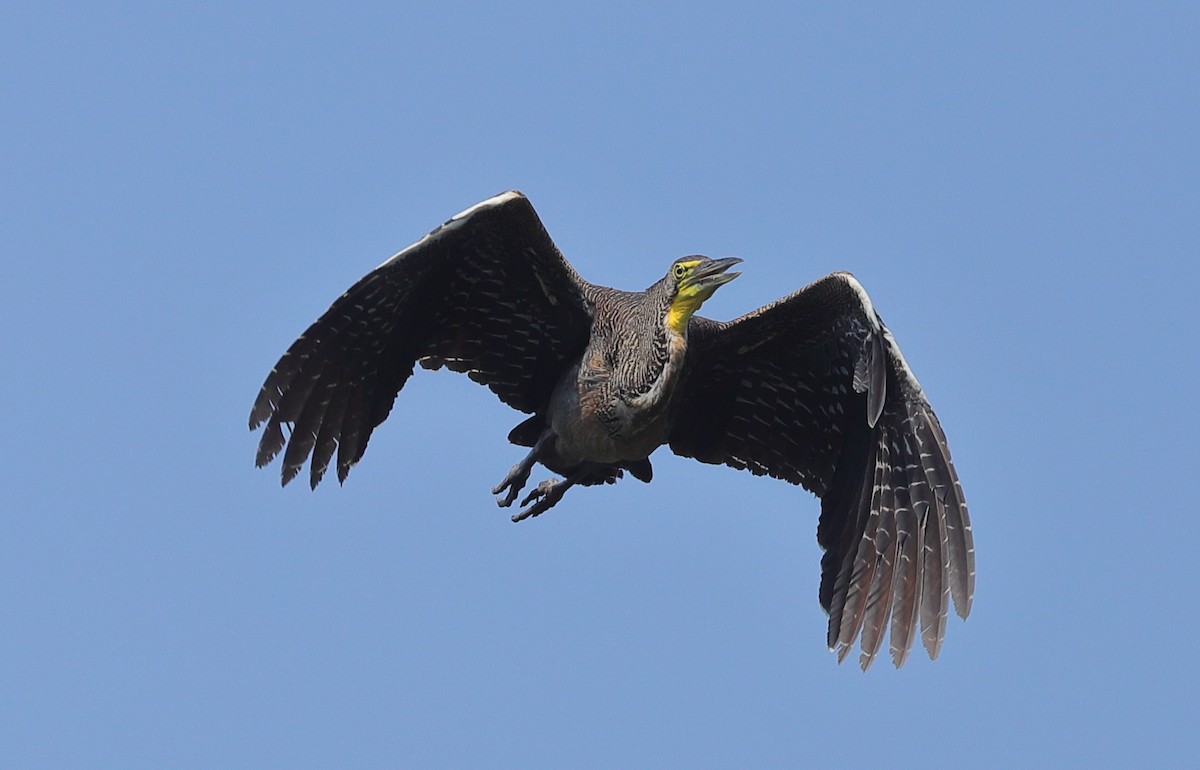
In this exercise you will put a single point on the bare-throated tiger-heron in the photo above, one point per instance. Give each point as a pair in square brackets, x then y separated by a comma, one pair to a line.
[811, 389]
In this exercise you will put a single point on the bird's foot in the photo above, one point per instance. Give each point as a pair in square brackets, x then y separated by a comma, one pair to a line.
[543, 497]
[514, 482]
[518, 475]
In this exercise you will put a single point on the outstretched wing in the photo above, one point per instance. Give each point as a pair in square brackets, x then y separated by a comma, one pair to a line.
[486, 293]
[813, 389]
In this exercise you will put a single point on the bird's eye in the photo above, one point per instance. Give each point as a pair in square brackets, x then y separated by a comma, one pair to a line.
[680, 270]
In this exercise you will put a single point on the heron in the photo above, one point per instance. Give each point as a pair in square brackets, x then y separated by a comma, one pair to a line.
[811, 389]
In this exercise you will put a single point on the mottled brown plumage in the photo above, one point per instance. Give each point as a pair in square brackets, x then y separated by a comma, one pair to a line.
[811, 389]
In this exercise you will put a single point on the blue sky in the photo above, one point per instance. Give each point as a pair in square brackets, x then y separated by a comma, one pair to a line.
[184, 190]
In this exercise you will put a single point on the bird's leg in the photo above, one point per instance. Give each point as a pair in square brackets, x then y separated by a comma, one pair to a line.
[518, 475]
[546, 495]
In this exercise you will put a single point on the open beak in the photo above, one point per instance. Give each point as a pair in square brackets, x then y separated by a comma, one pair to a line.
[712, 274]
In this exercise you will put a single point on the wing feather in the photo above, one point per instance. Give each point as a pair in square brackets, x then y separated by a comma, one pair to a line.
[907, 583]
[307, 426]
[879, 590]
[953, 511]
[934, 594]
[838, 567]
[327, 442]
[351, 444]
[866, 558]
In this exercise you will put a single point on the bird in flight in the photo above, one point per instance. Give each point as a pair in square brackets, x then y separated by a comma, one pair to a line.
[811, 389]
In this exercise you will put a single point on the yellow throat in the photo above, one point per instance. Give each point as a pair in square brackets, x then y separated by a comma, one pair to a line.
[687, 301]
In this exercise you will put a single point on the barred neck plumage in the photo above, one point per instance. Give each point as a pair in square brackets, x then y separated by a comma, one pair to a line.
[635, 348]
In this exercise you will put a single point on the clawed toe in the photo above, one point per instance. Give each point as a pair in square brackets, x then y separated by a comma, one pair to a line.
[506, 500]
[540, 491]
[513, 482]
[543, 497]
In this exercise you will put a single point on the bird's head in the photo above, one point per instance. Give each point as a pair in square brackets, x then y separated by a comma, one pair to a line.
[690, 281]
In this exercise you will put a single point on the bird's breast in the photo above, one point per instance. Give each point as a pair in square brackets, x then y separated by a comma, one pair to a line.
[600, 416]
